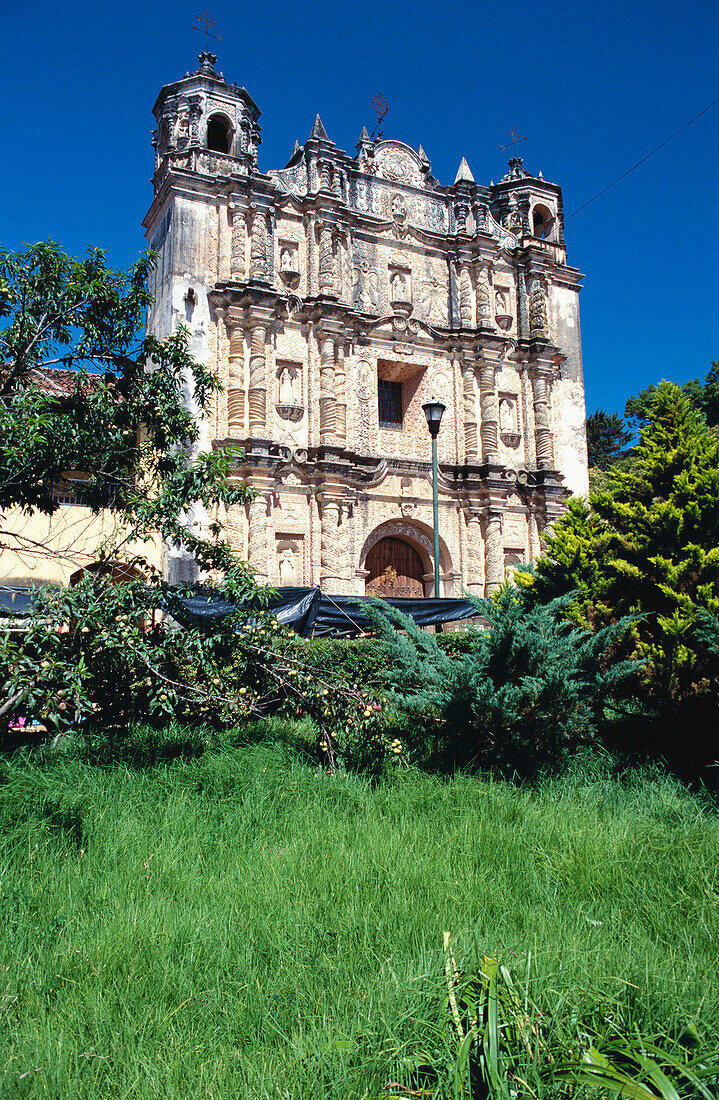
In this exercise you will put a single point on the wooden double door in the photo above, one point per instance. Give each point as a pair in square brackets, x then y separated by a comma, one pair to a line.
[395, 569]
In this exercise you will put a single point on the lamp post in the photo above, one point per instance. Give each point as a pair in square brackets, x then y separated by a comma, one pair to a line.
[433, 410]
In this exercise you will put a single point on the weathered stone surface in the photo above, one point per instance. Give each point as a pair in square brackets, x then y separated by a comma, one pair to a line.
[337, 286]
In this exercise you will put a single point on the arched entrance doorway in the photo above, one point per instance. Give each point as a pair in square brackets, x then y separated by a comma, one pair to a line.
[394, 569]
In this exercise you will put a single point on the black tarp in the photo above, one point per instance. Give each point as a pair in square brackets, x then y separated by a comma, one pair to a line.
[309, 611]
[16, 603]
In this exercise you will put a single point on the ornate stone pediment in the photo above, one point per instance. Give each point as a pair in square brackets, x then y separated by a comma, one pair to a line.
[398, 163]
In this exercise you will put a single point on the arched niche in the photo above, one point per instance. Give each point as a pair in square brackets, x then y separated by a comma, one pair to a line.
[219, 134]
[543, 222]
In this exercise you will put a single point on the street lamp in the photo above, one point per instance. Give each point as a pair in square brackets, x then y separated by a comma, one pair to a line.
[433, 410]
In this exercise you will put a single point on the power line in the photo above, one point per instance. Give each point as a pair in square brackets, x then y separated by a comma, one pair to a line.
[665, 142]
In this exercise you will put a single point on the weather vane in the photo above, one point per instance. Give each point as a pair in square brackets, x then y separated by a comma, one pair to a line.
[514, 134]
[207, 22]
[380, 107]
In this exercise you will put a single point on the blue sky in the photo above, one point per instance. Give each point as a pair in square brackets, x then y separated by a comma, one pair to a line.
[595, 86]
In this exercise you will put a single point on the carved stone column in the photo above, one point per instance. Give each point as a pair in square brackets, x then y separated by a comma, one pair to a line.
[341, 394]
[493, 553]
[484, 300]
[542, 422]
[258, 380]
[330, 565]
[490, 414]
[465, 297]
[475, 562]
[470, 414]
[537, 310]
[237, 246]
[327, 266]
[328, 402]
[236, 382]
[535, 546]
[258, 245]
[258, 538]
[522, 304]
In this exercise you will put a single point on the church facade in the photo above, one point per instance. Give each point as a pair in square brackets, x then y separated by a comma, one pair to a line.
[334, 297]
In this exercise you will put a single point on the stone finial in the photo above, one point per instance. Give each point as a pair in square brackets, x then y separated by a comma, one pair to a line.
[464, 173]
[516, 171]
[364, 136]
[423, 156]
[207, 65]
[318, 130]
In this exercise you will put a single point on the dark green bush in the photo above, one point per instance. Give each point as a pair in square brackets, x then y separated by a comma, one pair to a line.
[521, 695]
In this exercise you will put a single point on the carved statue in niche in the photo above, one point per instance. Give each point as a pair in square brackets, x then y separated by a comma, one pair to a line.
[288, 385]
[287, 262]
[287, 566]
[501, 301]
[506, 415]
[399, 286]
[365, 286]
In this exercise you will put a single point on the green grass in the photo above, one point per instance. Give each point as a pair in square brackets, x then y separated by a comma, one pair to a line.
[240, 925]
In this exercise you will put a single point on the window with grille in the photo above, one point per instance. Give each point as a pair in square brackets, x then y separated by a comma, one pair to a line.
[390, 403]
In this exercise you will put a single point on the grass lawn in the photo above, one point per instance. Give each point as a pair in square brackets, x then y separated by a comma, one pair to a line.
[240, 925]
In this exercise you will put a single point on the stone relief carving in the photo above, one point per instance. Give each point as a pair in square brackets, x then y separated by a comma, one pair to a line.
[364, 388]
[434, 300]
[397, 164]
[399, 285]
[365, 286]
[484, 306]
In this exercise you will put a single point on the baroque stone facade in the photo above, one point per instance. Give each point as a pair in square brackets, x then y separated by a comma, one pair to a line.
[335, 296]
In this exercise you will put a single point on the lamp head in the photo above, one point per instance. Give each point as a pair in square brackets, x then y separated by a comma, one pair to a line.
[433, 410]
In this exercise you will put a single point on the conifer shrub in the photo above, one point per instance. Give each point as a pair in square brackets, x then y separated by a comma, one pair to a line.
[647, 545]
[516, 698]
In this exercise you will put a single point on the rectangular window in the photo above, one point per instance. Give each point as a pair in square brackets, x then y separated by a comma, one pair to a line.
[390, 403]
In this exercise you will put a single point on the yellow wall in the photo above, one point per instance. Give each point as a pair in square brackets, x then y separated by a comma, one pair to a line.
[39, 549]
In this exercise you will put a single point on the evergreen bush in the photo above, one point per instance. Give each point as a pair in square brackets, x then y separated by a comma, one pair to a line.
[516, 698]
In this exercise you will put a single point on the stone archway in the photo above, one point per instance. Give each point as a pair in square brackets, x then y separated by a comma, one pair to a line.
[403, 544]
[394, 568]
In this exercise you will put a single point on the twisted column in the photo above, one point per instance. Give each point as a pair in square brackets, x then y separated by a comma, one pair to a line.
[493, 553]
[470, 414]
[542, 423]
[236, 383]
[484, 300]
[258, 246]
[237, 247]
[328, 402]
[340, 394]
[490, 415]
[258, 381]
[327, 267]
[258, 538]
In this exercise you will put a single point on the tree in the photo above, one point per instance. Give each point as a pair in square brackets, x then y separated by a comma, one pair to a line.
[127, 427]
[648, 545]
[703, 396]
[607, 435]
